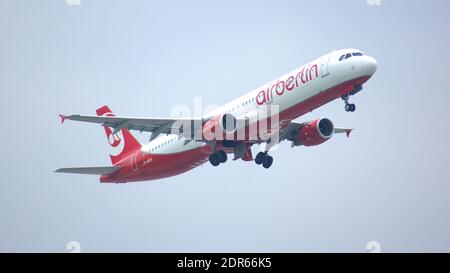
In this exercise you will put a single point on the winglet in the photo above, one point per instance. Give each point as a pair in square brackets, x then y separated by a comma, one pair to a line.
[63, 118]
[347, 132]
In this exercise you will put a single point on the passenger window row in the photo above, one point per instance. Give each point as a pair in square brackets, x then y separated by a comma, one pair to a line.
[231, 110]
[162, 144]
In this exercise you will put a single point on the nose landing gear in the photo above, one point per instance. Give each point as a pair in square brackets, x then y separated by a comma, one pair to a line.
[265, 159]
[349, 107]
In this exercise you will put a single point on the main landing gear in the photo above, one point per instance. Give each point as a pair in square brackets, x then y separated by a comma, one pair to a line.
[218, 157]
[349, 107]
[221, 157]
[265, 159]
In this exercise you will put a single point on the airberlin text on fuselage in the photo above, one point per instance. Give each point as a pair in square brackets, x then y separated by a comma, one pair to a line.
[304, 75]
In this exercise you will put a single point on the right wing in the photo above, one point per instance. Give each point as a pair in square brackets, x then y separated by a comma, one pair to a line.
[90, 170]
[289, 132]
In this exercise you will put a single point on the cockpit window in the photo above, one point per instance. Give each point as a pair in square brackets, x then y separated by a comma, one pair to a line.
[349, 55]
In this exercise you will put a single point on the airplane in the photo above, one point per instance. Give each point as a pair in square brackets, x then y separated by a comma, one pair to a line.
[178, 145]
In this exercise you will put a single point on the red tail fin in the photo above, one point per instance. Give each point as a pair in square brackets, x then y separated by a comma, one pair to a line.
[122, 143]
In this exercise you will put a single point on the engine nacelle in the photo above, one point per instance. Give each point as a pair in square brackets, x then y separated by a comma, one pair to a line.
[315, 132]
[219, 127]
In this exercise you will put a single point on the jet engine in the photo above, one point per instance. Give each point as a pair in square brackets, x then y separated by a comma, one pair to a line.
[220, 126]
[315, 132]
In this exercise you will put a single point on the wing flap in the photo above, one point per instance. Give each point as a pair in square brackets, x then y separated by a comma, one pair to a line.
[90, 170]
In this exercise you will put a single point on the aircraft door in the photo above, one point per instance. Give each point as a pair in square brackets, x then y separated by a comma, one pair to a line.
[324, 71]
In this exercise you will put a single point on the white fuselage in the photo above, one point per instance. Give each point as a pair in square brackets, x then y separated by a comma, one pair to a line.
[286, 91]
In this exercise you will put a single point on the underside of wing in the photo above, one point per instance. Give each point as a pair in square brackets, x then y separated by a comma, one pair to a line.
[90, 170]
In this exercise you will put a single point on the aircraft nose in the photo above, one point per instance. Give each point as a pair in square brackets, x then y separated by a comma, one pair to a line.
[370, 65]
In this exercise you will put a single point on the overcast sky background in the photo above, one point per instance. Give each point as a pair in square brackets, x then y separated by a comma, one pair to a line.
[389, 182]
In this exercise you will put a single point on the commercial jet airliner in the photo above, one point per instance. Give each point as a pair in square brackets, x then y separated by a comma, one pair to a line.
[262, 116]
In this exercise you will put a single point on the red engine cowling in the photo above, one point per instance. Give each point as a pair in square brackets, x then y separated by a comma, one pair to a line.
[316, 132]
[219, 127]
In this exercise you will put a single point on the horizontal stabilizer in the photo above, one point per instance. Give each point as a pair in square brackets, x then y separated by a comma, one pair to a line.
[90, 170]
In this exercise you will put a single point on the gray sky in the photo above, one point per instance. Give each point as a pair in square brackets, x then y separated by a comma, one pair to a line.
[389, 182]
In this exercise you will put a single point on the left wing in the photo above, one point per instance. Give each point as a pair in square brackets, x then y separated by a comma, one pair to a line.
[155, 125]
[90, 170]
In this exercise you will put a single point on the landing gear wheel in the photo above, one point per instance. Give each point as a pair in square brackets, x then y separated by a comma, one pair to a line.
[222, 156]
[348, 107]
[214, 159]
[260, 158]
[268, 160]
